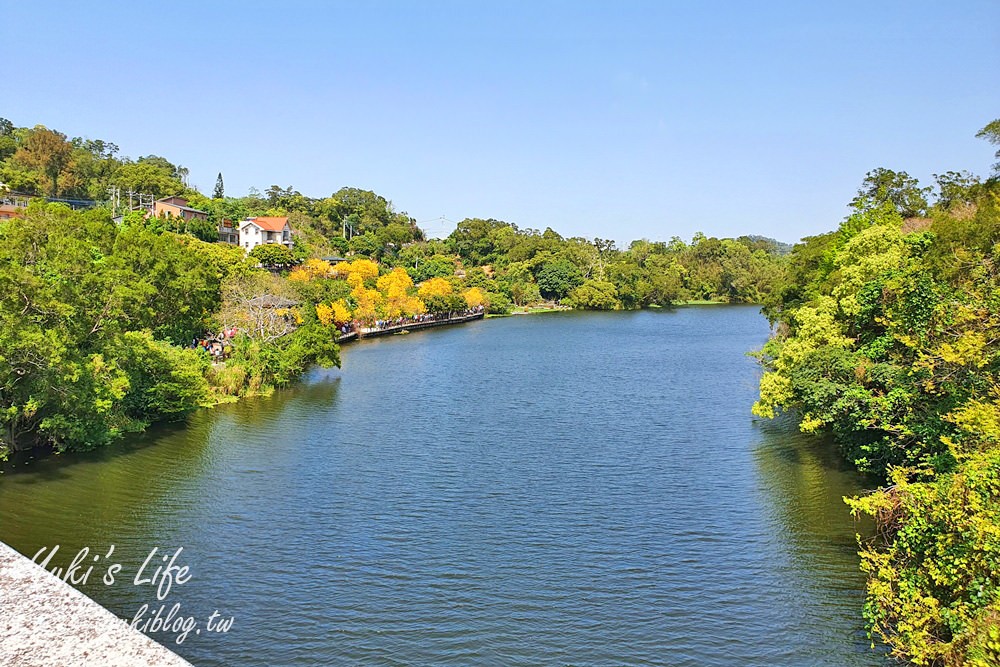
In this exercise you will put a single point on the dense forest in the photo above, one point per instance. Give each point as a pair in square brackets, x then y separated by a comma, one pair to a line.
[888, 332]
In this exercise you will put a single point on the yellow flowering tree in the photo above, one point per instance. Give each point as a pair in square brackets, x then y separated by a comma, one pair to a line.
[475, 297]
[341, 313]
[369, 300]
[310, 270]
[324, 314]
[365, 269]
[395, 287]
[434, 287]
[334, 313]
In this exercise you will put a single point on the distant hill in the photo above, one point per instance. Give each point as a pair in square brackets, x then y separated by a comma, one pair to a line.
[780, 247]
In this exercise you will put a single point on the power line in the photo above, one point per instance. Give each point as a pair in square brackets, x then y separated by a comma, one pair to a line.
[439, 230]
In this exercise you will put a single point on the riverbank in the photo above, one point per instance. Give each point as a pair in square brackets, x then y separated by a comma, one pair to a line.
[127, 357]
[532, 310]
[555, 308]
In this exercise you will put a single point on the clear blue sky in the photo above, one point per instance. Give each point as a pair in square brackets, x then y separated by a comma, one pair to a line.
[614, 119]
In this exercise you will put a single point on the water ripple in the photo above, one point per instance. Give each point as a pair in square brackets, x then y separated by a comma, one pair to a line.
[568, 489]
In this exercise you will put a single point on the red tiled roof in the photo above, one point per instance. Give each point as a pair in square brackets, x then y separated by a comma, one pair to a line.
[270, 224]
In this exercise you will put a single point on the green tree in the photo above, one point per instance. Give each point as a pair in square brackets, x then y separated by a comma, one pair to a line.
[48, 152]
[991, 133]
[273, 254]
[148, 177]
[340, 244]
[886, 340]
[499, 303]
[8, 142]
[594, 295]
[556, 278]
[75, 288]
[525, 293]
[437, 266]
[163, 164]
[475, 240]
[220, 188]
[366, 244]
[956, 188]
[901, 190]
[164, 381]
[92, 164]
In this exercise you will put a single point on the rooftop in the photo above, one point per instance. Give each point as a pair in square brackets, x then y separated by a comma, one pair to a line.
[272, 301]
[170, 201]
[269, 223]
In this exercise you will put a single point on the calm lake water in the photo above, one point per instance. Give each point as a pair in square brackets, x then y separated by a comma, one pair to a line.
[574, 488]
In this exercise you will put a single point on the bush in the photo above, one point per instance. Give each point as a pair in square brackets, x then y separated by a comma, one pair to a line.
[499, 304]
[594, 295]
[164, 381]
[273, 254]
[934, 580]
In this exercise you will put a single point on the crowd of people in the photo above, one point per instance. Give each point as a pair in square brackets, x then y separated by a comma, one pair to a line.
[216, 345]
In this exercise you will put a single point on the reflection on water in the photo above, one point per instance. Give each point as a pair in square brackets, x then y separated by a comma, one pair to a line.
[574, 488]
[803, 482]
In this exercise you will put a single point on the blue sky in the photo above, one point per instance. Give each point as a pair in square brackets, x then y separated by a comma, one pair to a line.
[615, 119]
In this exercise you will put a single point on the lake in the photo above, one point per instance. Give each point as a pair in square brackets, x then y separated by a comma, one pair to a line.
[566, 488]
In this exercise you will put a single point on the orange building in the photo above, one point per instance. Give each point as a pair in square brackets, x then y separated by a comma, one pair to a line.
[8, 211]
[177, 207]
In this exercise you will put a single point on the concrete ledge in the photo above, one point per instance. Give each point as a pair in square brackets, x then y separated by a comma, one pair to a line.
[45, 622]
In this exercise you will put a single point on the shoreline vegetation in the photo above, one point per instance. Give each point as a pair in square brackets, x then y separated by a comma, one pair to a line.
[532, 310]
[886, 332]
[888, 338]
[111, 317]
[557, 308]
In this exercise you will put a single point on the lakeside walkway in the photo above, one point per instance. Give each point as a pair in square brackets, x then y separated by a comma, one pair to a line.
[45, 622]
[371, 332]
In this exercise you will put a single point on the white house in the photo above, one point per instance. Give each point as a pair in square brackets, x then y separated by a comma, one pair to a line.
[261, 230]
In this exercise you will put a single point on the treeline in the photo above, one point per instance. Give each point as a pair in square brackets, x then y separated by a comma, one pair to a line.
[101, 309]
[516, 267]
[528, 266]
[888, 333]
